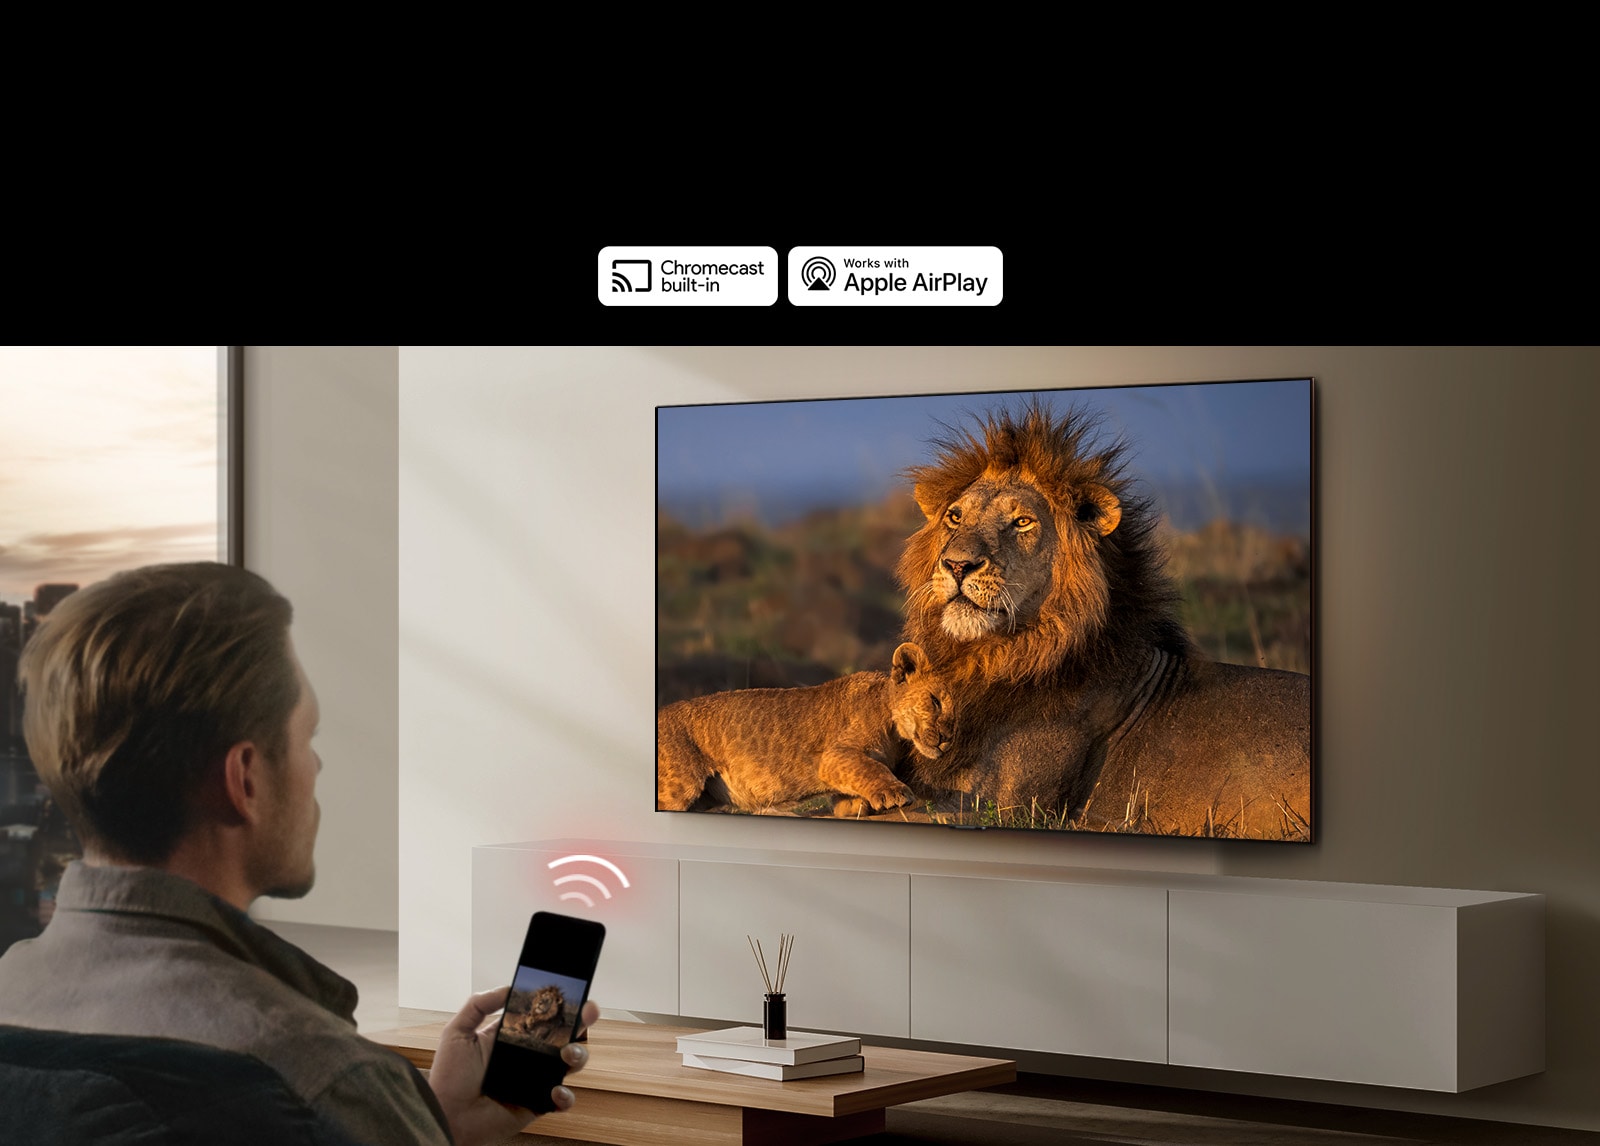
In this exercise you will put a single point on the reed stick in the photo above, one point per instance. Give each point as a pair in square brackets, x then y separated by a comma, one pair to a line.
[786, 946]
[755, 949]
[781, 966]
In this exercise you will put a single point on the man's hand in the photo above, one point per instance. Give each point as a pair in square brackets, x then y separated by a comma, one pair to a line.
[462, 1058]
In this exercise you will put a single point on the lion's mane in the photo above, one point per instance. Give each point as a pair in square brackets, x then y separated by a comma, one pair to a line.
[1111, 601]
[547, 1003]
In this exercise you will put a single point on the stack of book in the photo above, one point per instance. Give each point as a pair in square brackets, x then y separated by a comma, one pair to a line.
[747, 1050]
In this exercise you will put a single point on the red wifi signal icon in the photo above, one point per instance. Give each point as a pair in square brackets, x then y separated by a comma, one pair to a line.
[598, 884]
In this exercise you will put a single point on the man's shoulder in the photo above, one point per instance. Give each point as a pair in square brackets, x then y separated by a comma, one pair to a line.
[189, 989]
[104, 976]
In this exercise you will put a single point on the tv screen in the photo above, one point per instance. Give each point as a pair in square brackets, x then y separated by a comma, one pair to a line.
[1069, 610]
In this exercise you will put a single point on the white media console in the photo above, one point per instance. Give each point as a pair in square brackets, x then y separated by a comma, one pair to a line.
[1416, 987]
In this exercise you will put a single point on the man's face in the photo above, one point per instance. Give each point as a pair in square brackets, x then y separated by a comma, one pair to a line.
[285, 867]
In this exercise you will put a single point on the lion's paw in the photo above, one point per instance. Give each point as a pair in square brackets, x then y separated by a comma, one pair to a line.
[889, 796]
[850, 807]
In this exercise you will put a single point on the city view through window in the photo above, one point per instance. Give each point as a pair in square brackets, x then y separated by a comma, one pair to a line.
[110, 458]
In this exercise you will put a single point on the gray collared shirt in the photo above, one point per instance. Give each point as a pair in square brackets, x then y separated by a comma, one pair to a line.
[135, 951]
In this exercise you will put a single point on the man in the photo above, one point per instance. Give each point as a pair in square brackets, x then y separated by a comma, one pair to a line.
[169, 715]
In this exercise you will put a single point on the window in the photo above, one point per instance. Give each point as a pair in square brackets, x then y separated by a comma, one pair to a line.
[110, 458]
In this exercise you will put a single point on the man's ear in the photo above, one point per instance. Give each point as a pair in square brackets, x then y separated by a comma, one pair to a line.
[242, 790]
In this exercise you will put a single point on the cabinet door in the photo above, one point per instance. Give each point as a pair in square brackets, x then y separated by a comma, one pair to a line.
[1314, 988]
[848, 969]
[1068, 968]
[638, 968]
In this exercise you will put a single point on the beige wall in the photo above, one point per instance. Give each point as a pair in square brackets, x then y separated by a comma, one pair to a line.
[1456, 645]
[320, 520]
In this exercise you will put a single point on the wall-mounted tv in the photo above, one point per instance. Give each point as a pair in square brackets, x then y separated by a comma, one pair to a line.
[1066, 610]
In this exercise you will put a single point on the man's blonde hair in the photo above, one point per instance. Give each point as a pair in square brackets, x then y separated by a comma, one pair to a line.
[137, 685]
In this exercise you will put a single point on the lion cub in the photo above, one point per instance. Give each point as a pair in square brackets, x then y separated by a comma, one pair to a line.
[776, 745]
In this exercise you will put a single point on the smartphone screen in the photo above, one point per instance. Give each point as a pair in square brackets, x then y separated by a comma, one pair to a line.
[544, 1009]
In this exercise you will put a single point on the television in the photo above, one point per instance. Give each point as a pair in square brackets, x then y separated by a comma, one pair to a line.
[1062, 610]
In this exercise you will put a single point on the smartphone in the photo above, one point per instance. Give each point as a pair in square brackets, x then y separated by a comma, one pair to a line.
[543, 1010]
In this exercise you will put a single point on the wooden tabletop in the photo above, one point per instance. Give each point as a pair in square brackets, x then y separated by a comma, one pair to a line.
[641, 1058]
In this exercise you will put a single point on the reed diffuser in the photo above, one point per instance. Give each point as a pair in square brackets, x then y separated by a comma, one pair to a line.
[775, 1008]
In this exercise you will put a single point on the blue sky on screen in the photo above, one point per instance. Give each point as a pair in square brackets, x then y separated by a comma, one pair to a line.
[776, 460]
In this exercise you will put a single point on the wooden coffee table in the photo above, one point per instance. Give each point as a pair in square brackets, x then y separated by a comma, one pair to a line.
[635, 1091]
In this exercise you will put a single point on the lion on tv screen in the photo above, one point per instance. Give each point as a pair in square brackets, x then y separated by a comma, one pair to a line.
[541, 1010]
[1074, 610]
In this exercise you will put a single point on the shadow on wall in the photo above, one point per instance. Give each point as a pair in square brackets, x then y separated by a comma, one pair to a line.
[1572, 998]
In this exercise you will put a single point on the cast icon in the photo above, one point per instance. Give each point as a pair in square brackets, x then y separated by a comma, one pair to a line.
[627, 272]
